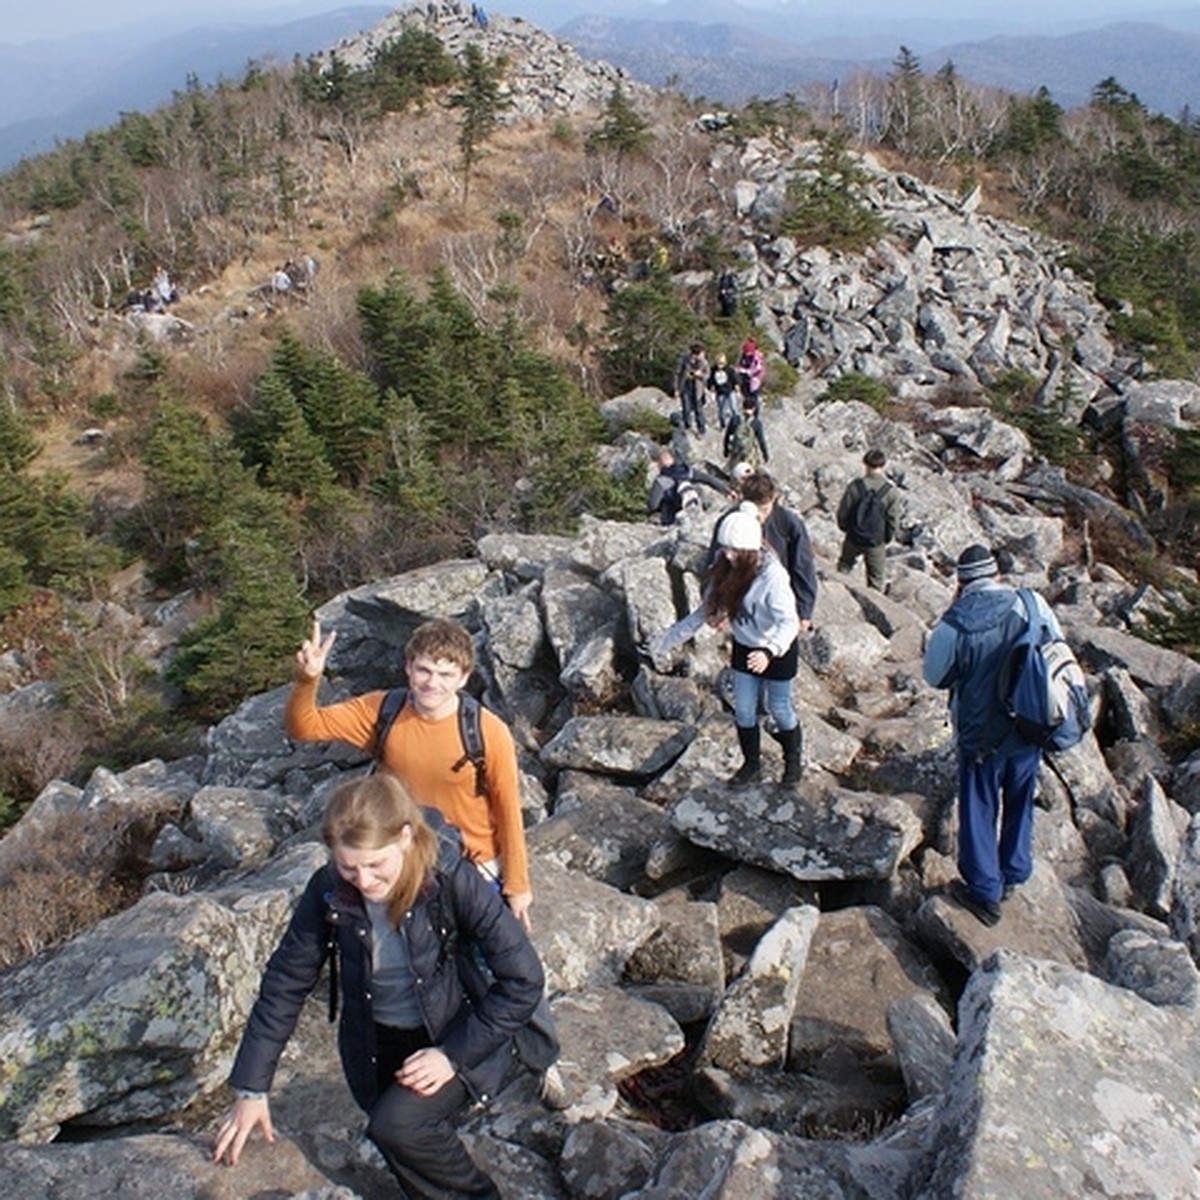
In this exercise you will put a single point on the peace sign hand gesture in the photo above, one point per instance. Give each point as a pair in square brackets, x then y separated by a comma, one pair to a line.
[313, 652]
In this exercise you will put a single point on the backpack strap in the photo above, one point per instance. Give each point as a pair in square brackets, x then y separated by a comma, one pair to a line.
[1032, 616]
[389, 710]
[470, 733]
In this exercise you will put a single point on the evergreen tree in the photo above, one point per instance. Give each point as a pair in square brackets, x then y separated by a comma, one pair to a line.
[622, 128]
[412, 478]
[481, 101]
[17, 444]
[246, 559]
[647, 324]
[906, 103]
[191, 475]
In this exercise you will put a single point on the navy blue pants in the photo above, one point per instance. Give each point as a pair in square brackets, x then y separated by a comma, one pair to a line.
[416, 1134]
[996, 793]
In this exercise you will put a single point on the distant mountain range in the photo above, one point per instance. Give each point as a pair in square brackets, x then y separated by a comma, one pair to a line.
[51, 91]
[727, 52]
[732, 62]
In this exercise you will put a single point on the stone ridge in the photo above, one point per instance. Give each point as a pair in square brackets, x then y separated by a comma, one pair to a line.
[545, 76]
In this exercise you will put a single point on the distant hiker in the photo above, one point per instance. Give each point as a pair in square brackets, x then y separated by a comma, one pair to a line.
[415, 1050]
[727, 293]
[423, 746]
[745, 439]
[162, 287]
[750, 371]
[747, 592]
[787, 535]
[722, 382]
[867, 514]
[281, 281]
[997, 768]
[691, 380]
[673, 489]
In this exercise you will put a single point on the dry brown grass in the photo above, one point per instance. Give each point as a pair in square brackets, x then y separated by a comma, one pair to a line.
[36, 747]
[56, 893]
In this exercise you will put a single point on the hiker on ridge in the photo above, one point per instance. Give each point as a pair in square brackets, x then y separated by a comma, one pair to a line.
[868, 514]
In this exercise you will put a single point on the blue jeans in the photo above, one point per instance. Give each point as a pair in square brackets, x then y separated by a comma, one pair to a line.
[746, 690]
[725, 408]
[995, 791]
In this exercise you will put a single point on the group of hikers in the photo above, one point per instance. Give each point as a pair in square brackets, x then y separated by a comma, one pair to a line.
[293, 276]
[427, 850]
[737, 392]
[760, 587]
[155, 297]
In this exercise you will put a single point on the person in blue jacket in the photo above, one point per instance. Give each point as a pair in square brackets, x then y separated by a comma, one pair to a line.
[997, 768]
[414, 1051]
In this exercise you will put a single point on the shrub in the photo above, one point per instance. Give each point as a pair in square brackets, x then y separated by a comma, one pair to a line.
[825, 207]
[856, 386]
[77, 870]
[1179, 627]
[36, 747]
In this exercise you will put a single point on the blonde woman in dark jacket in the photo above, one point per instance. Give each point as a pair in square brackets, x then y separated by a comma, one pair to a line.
[414, 1051]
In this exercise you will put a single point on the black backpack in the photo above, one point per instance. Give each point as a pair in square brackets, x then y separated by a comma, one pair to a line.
[868, 520]
[535, 1043]
[470, 732]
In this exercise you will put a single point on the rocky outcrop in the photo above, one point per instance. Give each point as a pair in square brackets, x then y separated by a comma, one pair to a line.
[769, 963]
[543, 76]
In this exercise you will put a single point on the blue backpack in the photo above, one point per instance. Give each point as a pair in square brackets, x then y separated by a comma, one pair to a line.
[1042, 688]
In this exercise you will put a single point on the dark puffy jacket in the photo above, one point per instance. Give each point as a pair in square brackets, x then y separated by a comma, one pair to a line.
[331, 917]
[785, 532]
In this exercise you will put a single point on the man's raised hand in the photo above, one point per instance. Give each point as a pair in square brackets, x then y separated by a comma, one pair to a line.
[313, 652]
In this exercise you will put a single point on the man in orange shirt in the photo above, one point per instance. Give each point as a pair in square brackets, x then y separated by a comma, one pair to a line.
[424, 748]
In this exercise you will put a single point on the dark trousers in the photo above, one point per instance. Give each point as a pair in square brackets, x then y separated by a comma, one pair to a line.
[876, 559]
[415, 1133]
[691, 403]
[995, 791]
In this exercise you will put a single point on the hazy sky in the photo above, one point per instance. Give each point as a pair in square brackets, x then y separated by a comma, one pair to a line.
[24, 20]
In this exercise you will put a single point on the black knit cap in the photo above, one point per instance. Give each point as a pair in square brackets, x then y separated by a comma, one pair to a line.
[976, 562]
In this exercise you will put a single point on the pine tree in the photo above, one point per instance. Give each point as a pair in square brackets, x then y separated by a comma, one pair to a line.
[622, 128]
[481, 101]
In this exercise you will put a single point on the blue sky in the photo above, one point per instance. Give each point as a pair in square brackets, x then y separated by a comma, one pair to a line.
[23, 22]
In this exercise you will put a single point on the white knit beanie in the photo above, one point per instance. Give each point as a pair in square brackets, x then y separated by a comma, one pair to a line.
[741, 530]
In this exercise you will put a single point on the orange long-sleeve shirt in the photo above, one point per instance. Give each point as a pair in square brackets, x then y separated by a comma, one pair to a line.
[422, 754]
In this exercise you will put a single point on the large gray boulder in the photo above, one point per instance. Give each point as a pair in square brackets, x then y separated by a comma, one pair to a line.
[130, 1020]
[1121, 1119]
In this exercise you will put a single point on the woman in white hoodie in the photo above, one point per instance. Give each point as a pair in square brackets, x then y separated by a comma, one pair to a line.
[747, 591]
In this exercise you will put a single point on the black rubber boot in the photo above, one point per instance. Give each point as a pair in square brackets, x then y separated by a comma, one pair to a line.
[792, 741]
[750, 771]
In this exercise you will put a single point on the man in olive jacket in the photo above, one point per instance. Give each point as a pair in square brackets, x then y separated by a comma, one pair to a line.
[867, 515]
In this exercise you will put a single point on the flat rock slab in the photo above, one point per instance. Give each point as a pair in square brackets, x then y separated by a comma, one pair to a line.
[814, 832]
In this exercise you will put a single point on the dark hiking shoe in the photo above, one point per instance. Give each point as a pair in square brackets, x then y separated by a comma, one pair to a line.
[986, 912]
[746, 774]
